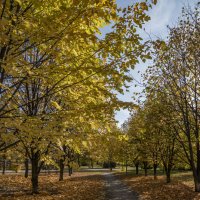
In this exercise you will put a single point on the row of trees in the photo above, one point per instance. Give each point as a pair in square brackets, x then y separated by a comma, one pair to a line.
[164, 131]
[57, 77]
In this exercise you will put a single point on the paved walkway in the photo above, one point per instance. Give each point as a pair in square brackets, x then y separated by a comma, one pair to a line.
[116, 190]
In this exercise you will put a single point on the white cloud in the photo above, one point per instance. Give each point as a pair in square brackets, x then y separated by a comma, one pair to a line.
[121, 116]
[161, 16]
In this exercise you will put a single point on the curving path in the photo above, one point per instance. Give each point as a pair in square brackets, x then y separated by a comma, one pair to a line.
[116, 190]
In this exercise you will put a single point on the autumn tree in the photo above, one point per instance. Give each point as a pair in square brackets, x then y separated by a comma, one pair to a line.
[176, 72]
[62, 73]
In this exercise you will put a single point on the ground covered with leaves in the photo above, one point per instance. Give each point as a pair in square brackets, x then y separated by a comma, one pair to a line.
[181, 187]
[81, 186]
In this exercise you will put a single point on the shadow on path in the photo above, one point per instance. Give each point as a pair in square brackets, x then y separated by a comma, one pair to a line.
[116, 190]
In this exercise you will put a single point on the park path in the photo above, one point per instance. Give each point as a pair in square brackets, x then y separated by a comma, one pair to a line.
[116, 190]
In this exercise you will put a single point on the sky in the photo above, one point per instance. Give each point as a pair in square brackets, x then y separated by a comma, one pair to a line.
[166, 12]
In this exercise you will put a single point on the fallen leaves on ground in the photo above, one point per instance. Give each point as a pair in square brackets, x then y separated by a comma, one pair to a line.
[81, 186]
[181, 187]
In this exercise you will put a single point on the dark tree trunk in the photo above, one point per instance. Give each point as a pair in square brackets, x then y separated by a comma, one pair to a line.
[197, 185]
[69, 170]
[62, 166]
[126, 167]
[48, 169]
[26, 167]
[4, 166]
[155, 170]
[92, 164]
[137, 168]
[34, 179]
[197, 178]
[168, 173]
[110, 165]
[145, 167]
[36, 166]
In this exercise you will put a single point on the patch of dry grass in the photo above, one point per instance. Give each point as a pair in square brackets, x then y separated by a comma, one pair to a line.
[181, 187]
[81, 186]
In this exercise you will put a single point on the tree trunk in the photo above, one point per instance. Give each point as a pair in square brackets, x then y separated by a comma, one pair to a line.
[48, 169]
[155, 170]
[126, 167]
[145, 171]
[92, 164]
[4, 166]
[137, 168]
[62, 166]
[145, 167]
[35, 172]
[26, 167]
[110, 165]
[197, 178]
[69, 170]
[197, 185]
[168, 174]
